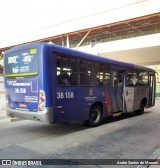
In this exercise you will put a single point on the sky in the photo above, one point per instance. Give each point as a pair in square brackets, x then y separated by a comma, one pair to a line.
[18, 17]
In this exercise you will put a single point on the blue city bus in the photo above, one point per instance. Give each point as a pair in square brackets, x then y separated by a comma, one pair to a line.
[54, 84]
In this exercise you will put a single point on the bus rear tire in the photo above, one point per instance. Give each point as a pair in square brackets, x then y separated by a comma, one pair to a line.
[95, 116]
[140, 111]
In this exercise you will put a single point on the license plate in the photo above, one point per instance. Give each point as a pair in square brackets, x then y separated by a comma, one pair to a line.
[23, 105]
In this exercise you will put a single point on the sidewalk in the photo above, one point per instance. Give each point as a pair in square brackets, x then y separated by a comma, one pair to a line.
[4, 119]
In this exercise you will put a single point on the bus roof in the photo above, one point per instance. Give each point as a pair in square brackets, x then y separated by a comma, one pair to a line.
[60, 49]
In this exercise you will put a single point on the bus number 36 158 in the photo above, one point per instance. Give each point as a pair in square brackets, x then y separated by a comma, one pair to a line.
[20, 90]
[65, 95]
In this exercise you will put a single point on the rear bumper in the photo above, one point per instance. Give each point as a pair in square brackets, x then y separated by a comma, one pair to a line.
[44, 116]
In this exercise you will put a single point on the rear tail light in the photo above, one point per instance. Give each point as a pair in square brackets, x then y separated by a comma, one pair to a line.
[42, 100]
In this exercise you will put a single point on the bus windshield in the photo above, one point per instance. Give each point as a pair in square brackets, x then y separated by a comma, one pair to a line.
[21, 63]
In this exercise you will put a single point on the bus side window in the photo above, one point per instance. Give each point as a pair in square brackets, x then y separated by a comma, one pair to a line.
[143, 79]
[107, 75]
[132, 78]
[118, 78]
[59, 71]
[87, 72]
[100, 74]
[103, 74]
[115, 80]
[84, 78]
[74, 72]
[74, 78]
[63, 78]
[66, 70]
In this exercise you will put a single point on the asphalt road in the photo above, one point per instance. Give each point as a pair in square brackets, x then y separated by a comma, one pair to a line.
[124, 137]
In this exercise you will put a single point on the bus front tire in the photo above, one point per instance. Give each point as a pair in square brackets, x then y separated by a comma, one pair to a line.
[95, 116]
[140, 111]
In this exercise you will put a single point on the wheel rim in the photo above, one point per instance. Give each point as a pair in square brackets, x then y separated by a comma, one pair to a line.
[95, 116]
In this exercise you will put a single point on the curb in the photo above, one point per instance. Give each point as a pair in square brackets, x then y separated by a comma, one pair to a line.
[14, 119]
[4, 119]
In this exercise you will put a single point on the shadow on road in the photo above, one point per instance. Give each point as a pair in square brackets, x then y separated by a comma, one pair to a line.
[122, 117]
[61, 129]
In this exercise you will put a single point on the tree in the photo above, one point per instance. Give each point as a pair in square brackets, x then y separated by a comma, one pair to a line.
[157, 69]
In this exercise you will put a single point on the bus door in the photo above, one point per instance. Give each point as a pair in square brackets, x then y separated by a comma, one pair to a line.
[152, 86]
[118, 89]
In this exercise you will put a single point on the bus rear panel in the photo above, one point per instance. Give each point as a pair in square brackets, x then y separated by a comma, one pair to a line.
[24, 84]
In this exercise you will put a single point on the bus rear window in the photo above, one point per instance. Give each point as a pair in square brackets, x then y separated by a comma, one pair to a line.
[21, 63]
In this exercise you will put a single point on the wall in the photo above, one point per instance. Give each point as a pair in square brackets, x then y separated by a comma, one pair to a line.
[2, 97]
